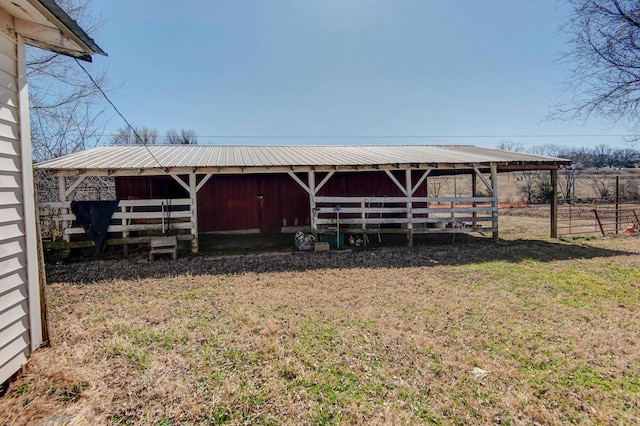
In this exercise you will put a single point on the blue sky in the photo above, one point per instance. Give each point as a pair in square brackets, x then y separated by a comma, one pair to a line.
[457, 69]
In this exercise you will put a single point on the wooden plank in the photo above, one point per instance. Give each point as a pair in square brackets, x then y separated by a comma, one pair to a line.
[179, 214]
[134, 227]
[155, 202]
[480, 209]
[110, 242]
[369, 210]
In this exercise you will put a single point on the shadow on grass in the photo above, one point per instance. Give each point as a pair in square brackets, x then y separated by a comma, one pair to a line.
[426, 253]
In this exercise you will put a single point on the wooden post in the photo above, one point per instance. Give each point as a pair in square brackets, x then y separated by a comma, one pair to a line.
[193, 194]
[598, 222]
[409, 192]
[312, 202]
[474, 193]
[554, 203]
[494, 202]
[617, 204]
[62, 192]
[125, 232]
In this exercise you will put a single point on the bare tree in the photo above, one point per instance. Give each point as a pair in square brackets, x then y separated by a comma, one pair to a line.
[604, 55]
[66, 106]
[526, 182]
[514, 146]
[138, 136]
[601, 184]
[435, 185]
[183, 137]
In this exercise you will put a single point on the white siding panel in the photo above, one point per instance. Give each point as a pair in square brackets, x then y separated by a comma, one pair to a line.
[11, 366]
[15, 349]
[14, 313]
[10, 248]
[13, 297]
[9, 130]
[9, 164]
[8, 64]
[9, 215]
[8, 147]
[8, 81]
[9, 197]
[13, 331]
[11, 265]
[9, 113]
[8, 97]
[8, 48]
[9, 181]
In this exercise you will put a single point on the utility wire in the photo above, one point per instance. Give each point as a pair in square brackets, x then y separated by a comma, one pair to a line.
[118, 111]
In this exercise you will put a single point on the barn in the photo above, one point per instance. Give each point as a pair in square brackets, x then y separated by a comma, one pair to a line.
[274, 189]
[40, 23]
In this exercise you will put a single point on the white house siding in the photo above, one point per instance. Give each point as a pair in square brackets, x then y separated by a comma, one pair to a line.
[15, 341]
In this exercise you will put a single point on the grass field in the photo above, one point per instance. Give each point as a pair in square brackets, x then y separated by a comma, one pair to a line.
[525, 331]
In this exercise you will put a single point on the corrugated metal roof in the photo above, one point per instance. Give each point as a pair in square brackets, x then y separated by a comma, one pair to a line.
[200, 156]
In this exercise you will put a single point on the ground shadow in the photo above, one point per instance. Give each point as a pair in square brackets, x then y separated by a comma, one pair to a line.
[271, 255]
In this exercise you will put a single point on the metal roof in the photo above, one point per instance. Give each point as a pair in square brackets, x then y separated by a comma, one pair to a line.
[138, 157]
[73, 26]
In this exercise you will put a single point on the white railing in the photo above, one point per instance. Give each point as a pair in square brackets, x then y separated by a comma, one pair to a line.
[157, 215]
[415, 213]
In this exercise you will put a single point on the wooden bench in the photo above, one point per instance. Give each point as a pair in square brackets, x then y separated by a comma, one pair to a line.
[164, 245]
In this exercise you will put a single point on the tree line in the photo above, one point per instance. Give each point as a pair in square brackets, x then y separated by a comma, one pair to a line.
[598, 157]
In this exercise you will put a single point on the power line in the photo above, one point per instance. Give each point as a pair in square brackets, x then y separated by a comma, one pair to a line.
[118, 111]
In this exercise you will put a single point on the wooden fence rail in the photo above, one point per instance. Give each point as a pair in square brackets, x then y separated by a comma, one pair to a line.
[405, 214]
[134, 220]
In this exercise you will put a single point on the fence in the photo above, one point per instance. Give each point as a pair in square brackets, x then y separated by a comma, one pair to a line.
[405, 214]
[134, 221]
[596, 217]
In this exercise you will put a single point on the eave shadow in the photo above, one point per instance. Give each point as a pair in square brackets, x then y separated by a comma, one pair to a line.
[423, 255]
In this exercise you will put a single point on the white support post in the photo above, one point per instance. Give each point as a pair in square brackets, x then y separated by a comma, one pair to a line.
[482, 178]
[409, 192]
[312, 202]
[74, 185]
[398, 184]
[494, 202]
[193, 194]
[125, 232]
[62, 192]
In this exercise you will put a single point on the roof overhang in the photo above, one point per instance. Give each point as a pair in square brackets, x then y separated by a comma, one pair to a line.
[180, 160]
[44, 24]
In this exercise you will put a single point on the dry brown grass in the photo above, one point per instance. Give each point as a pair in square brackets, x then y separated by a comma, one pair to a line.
[385, 337]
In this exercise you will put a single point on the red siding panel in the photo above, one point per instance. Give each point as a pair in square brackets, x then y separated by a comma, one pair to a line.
[264, 202]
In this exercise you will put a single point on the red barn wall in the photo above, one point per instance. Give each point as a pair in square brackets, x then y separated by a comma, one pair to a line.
[263, 202]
